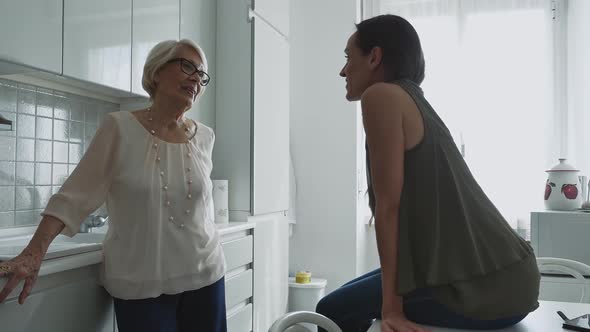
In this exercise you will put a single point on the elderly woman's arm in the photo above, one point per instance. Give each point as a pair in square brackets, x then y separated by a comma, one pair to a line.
[83, 192]
[26, 265]
[86, 188]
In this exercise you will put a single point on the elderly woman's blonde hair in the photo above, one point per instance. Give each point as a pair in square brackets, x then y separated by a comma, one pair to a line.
[159, 55]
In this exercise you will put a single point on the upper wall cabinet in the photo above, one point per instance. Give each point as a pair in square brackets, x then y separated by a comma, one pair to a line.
[97, 42]
[275, 13]
[198, 19]
[153, 22]
[252, 111]
[30, 33]
[270, 148]
[233, 104]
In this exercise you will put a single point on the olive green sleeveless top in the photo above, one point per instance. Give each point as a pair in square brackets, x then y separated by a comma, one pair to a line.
[452, 239]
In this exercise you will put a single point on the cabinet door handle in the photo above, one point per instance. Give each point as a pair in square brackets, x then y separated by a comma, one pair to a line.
[249, 13]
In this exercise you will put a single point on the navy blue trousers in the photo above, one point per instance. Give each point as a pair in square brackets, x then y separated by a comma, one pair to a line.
[200, 310]
[357, 303]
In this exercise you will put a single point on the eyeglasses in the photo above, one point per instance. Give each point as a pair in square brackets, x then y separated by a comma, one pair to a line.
[190, 69]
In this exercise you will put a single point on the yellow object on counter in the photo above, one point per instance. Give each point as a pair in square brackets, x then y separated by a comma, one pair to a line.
[303, 277]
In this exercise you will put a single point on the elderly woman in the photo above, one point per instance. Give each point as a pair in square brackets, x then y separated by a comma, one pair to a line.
[163, 262]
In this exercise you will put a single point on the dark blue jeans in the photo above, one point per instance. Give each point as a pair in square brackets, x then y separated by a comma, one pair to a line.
[191, 311]
[357, 303]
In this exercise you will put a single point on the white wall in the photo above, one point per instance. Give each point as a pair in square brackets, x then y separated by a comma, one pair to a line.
[323, 143]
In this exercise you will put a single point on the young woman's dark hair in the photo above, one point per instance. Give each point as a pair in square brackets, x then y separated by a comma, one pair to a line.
[402, 52]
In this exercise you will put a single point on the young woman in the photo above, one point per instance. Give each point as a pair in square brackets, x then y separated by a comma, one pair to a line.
[448, 257]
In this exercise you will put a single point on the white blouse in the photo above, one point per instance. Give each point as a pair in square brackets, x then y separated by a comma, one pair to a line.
[161, 237]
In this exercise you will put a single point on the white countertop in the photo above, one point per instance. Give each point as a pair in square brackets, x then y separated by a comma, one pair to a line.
[234, 227]
[75, 261]
[544, 319]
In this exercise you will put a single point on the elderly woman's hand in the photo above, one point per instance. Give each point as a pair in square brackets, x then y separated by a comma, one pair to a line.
[23, 267]
[26, 265]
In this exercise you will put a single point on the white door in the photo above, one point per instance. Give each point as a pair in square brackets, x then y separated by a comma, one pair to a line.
[271, 120]
[153, 22]
[97, 42]
[30, 33]
[275, 13]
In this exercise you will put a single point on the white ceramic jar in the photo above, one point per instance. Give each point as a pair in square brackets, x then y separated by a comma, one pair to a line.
[563, 190]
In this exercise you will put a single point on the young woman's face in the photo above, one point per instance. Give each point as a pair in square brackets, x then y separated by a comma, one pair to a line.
[357, 70]
[172, 80]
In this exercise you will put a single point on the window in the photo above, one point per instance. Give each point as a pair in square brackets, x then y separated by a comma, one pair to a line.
[491, 76]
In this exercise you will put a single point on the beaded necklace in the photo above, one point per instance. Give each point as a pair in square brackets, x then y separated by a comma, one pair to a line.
[188, 171]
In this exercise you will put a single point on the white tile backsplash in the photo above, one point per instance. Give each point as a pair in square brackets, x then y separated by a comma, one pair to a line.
[26, 100]
[25, 125]
[25, 173]
[25, 151]
[25, 197]
[7, 148]
[7, 198]
[61, 130]
[44, 128]
[7, 173]
[8, 98]
[60, 152]
[43, 151]
[51, 131]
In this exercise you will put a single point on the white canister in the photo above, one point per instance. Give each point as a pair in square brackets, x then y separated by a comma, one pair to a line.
[220, 201]
[563, 190]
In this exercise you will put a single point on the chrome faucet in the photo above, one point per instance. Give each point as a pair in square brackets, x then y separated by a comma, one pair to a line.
[94, 220]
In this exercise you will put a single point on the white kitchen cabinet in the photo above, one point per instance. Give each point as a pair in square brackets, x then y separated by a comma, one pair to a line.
[238, 248]
[68, 301]
[270, 178]
[257, 272]
[31, 33]
[198, 20]
[153, 22]
[561, 288]
[252, 112]
[97, 42]
[275, 12]
[232, 152]
[561, 234]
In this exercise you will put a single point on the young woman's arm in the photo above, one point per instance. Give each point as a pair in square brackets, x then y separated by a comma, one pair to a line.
[383, 108]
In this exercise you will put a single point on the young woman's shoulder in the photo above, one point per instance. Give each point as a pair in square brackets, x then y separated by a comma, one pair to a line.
[388, 91]
[385, 96]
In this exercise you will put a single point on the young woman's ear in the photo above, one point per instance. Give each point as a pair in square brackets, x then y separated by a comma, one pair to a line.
[375, 57]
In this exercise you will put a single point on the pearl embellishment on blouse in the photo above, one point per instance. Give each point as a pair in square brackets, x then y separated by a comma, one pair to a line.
[162, 173]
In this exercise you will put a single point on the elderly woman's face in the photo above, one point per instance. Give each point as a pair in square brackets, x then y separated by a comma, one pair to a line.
[173, 79]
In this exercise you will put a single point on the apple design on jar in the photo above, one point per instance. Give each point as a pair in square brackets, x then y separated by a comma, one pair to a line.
[570, 191]
[548, 186]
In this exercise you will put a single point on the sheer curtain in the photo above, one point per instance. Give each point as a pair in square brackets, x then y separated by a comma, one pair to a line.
[490, 76]
[578, 69]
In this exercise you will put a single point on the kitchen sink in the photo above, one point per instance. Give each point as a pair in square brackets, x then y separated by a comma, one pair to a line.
[60, 247]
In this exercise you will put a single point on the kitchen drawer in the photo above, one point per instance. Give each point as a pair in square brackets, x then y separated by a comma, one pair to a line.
[238, 288]
[562, 288]
[238, 252]
[561, 234]
[241, 320]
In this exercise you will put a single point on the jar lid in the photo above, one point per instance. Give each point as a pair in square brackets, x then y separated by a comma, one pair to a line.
[563, 167]
[314, 283]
